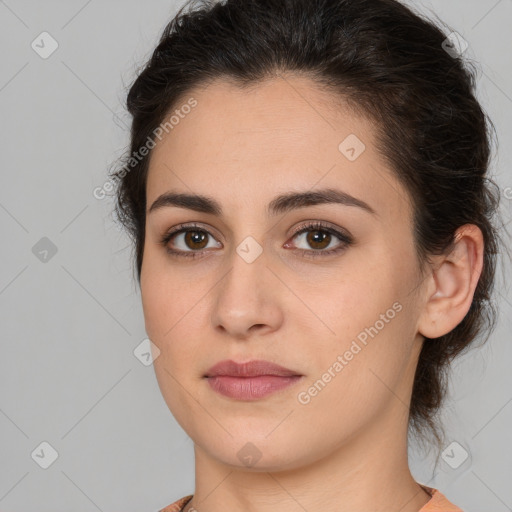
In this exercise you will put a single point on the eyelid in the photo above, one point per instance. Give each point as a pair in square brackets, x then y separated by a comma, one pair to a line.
[323, 225]
[186, 226]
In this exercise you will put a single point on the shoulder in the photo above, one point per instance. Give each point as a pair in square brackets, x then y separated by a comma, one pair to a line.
[177, 505]
[438, 502]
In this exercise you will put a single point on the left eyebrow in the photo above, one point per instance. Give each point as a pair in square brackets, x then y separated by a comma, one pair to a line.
[280, 204]
[293, 200]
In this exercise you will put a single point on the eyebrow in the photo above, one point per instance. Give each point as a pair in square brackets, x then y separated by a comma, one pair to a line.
[279, 205]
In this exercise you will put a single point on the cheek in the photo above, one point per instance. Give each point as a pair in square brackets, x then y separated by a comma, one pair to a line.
[160, 294]
[343, 301]
[154, 305]
[171, 315]
[351, 381]
[362, 318]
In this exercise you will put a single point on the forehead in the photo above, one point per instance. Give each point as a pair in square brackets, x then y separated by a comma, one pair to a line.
[245, 144]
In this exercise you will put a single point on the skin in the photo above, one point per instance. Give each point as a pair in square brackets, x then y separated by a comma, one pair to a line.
[346, 448]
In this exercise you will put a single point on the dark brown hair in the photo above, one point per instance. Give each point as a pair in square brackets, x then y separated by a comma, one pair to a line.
[387, 62]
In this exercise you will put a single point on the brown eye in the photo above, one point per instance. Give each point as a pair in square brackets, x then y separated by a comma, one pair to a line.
[188, 241]
[317, 239]
[196, 239]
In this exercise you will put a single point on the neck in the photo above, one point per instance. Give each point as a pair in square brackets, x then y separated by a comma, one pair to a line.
[370, 471]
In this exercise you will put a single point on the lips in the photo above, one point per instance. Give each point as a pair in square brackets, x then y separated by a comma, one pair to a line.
[250, 381]
[253, 368]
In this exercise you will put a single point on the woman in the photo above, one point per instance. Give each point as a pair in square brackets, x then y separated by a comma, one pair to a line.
[307, 194]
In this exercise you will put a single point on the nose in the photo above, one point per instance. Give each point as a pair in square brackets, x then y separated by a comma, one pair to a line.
[248, 298]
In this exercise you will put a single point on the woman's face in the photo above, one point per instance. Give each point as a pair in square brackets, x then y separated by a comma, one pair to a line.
[342, 316]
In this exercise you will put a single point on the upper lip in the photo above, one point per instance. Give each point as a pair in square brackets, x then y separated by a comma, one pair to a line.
[253, 368]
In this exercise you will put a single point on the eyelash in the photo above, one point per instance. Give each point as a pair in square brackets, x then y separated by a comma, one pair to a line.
[346, 240]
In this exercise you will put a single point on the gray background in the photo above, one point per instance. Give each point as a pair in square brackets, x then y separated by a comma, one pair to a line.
[70, 324]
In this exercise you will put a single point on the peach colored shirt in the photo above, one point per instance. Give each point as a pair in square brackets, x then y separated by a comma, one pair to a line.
[438, 503]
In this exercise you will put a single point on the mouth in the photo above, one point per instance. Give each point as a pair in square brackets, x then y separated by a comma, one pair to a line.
[255, 368]
[250, 381]
[250, 388]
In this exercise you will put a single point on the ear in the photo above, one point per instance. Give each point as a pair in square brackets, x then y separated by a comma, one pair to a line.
[451, 286]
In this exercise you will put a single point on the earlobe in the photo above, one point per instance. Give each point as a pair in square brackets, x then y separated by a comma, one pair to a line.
[453, 281]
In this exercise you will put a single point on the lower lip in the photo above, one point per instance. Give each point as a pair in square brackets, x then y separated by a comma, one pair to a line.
[250, 388]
